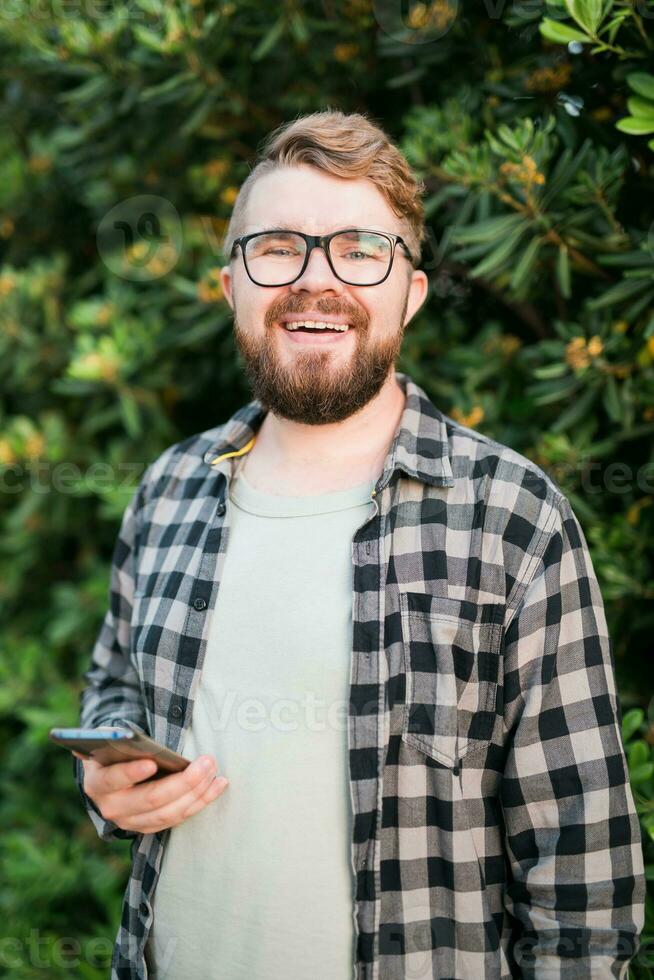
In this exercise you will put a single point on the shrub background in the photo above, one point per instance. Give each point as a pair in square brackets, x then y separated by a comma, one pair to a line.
[531, 125]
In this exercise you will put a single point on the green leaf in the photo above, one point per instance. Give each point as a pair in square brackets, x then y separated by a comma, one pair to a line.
[131, 416]
[631, 723]
[148, 38]
[93, 88]
[298, 27]
[640, 107]
[634, 258]
[643, 302]
[565, 168]
[616, 294]
[642, 83]
[563, 270]
[587, 13]
[565, 330]
[556, 370]
[525, 264]
[487, 230]
[433, 203]
[554, 30]
[642, 774]
[635, 126]
[198, 116]
[611, 399]
[397, 81]
[576, 411]
[166, 91]
[150, 7]
[499, 256]
[611, 29]
[508, 137]
[554, 390]
[469, 252]
[638, 753]
[268, 41]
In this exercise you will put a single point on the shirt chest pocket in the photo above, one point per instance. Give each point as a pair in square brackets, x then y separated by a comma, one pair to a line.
[452, 669]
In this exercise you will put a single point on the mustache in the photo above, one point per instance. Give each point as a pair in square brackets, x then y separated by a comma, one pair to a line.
[297, 305]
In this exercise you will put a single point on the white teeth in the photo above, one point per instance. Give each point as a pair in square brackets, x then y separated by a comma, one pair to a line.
[317, 325]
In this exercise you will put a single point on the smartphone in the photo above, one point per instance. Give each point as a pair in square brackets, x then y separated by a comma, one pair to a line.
[108, 745]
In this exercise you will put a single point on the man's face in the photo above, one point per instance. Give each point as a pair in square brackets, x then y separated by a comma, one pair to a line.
[319, 378]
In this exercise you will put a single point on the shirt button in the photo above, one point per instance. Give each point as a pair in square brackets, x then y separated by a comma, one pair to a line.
[144, 910]
[367, 547]
[199, 604]
[176, 711]
[220, 510]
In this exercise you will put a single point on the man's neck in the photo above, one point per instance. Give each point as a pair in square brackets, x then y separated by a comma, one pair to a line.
[293, 459]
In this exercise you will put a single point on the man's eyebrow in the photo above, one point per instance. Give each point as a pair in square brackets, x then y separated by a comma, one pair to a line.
[279, 227]
[286, 227]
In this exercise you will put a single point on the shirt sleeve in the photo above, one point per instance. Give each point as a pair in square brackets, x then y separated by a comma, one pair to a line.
[576, 888]
[112, 695]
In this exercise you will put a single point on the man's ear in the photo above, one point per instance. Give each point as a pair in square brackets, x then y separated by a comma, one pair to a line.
[226, 282]
[418, 289]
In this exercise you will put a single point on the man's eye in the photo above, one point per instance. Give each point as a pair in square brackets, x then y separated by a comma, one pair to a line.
[358, 253]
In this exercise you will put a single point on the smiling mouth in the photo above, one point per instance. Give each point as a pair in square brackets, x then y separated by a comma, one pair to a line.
[316, 327]
[314, 333]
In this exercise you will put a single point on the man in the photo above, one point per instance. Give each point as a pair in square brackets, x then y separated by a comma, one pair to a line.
[383, 627]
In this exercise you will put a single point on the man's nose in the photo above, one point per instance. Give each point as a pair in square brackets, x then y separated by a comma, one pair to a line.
[318, 276]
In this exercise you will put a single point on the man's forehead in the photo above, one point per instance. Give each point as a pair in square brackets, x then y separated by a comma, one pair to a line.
[303, 199]
[316, 226]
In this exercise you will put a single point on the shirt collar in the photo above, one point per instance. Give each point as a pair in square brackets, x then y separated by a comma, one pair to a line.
[419, 448]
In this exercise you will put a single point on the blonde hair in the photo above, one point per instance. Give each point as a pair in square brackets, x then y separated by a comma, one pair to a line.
[349, 146]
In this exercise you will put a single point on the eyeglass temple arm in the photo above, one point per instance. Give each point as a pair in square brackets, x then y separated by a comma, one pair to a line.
[408, 253]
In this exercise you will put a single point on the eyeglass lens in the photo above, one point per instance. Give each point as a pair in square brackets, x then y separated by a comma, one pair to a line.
[275, 258]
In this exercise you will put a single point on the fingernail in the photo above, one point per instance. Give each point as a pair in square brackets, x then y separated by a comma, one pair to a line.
[222, 782]
[206, 763]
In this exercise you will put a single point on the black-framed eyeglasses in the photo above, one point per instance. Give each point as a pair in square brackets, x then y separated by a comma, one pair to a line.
[356, 256]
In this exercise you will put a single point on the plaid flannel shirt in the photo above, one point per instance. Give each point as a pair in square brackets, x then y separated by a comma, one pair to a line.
[495, 833]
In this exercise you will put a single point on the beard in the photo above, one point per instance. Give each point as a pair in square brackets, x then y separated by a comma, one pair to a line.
[306, 388]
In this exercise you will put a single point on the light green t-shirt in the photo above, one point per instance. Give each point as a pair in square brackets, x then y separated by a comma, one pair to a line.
[259, 885]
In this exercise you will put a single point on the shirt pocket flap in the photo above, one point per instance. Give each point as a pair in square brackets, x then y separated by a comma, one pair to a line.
[451, 663]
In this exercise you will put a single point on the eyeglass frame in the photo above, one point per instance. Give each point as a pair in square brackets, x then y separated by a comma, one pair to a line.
[321, 241]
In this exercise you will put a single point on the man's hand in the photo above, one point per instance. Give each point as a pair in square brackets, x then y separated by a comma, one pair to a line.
[161, 804]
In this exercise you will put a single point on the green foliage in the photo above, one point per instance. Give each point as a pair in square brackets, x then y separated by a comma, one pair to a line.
[641, 106]
[527, 126]
[600, 21]
[638, 739]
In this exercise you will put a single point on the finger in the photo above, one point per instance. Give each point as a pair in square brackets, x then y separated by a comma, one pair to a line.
[101, 780]
[177, 811]
[216, 788]
[138, 801]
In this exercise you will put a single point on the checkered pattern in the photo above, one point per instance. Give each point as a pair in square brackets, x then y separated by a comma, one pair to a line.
[495, 833]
